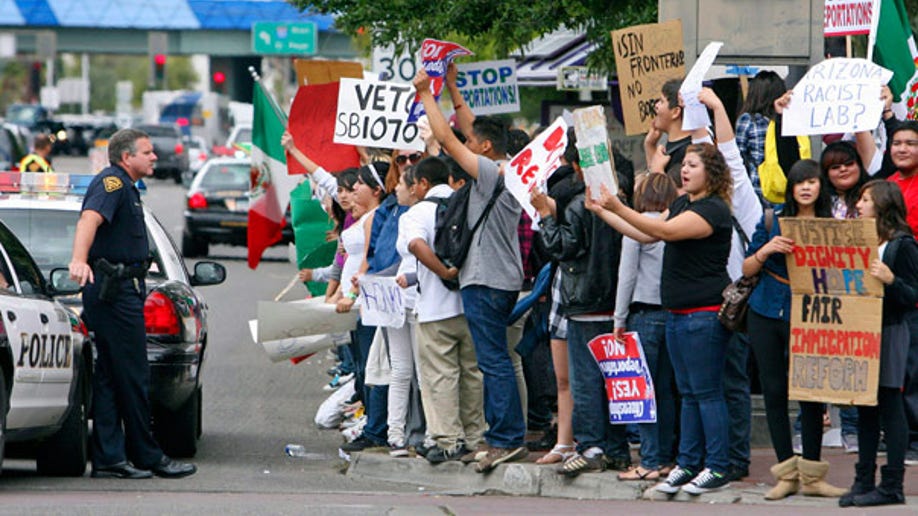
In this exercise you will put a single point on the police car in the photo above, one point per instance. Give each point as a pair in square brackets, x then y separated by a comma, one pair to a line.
[44, 366]
[42, 210]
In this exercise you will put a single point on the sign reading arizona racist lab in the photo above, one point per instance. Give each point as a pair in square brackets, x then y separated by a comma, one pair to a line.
[489, 87]
[629, 386]
[836, 311]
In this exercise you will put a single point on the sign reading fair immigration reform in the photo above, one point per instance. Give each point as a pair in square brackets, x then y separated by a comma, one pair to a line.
[375, 114]
[836, 311]
[489, 87]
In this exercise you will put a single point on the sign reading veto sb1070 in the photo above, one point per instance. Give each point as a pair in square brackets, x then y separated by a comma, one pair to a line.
[489, 87]
[375, 114]
[646, 56]
[836, 311]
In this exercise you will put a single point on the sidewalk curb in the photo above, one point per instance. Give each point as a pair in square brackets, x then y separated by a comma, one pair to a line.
[528, 479]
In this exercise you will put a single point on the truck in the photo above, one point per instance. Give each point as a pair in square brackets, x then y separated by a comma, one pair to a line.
[198, 114]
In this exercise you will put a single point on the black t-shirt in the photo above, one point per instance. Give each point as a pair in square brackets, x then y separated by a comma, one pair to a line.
[122, 238]
[695, 270]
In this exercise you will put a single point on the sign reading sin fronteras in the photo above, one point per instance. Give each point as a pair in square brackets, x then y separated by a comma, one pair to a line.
[836, 311]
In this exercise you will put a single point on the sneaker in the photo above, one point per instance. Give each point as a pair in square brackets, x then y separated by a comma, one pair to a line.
[475, 455]
[438, 455]
[361, 443]
[705, 482]
[736, 473]
[911, 457]
[849, 443]
[398, 450]
[497, 456]
[338, 381]
[423, 449]
[798, 444]
[677, 478]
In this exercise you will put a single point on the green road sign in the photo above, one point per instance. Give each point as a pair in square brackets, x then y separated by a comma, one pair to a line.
[284, 38]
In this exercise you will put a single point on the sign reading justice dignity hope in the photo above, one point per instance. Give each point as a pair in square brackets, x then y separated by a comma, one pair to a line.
[836, 311]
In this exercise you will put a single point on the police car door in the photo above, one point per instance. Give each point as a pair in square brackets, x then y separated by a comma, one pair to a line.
[40, 337]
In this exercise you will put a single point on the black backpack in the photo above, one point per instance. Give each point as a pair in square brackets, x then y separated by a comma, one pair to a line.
[453, 236]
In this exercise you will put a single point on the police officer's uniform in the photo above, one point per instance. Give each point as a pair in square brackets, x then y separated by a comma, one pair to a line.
[122, 374]
[34, 163]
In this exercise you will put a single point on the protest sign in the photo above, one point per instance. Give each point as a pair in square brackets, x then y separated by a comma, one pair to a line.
[532, 166]
[629, 386]
[435, 57]
[312, 122]
[847, 17]
[291, 348]
[838, 95]
[593, 147]
[646, 56]
[312, 71]
[313, 316]
[836, 311]
[695, 114]
[381, 301]
[489, 87]
[375, 114]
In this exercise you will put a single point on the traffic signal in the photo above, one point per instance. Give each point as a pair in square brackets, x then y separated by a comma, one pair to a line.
[159, 68]
[219, 79]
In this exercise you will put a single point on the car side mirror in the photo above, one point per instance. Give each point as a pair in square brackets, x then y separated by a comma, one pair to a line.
[61, 284]
[208, 273]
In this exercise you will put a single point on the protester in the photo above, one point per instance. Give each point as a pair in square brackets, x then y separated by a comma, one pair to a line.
[451, 382]
[638, 309]
[667, 120]
[897, 269]
[491, 276]
[769, 331]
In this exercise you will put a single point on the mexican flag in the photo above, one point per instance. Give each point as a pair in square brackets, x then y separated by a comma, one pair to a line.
[895, 49]
[270, 184]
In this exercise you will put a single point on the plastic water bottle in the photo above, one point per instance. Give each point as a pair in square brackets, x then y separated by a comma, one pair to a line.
[295, 450]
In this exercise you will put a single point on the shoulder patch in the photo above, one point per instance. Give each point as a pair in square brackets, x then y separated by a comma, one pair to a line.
[112, 183]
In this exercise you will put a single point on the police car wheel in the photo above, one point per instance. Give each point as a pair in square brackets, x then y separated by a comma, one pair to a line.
[177, 431]
[65, 453]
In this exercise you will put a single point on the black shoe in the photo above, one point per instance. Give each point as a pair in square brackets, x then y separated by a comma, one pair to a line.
[120, 470]
[619, 463]
[422, 449]
[170, 468]
[360, 444]
[546, 442]
[438, 455]
[736, 473]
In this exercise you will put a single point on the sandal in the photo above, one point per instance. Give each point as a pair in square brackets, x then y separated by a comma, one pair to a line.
[560, 453]
[581, 464]
[639, 473]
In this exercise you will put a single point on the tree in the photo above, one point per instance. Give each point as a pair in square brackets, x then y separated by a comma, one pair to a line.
[505, 25]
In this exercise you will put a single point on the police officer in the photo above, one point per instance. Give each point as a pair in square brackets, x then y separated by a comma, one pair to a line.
[110, 253]
[40, 159]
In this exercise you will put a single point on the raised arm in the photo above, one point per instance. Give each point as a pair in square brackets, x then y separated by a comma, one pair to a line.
[688, 225]
[466, 159]
[464, 115]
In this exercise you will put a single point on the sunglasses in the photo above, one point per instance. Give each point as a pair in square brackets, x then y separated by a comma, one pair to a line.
[413, 158]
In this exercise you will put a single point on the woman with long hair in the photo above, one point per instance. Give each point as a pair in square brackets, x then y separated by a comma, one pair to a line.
[898, 271]
[769, 336]
[752, 124]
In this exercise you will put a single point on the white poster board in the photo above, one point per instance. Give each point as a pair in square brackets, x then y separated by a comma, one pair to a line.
[381, 301]
[695, 114]
[285, 349]
[535, 163]
[375, 114]
[489, 87]
[593, 147]
[313, 316]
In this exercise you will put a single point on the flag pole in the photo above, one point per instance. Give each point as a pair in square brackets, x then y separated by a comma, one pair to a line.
[281, 115]
[874, 23]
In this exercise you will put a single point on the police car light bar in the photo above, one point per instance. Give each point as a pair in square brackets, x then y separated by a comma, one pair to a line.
[44, 183]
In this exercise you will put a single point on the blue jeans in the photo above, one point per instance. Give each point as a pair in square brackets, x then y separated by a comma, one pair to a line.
[588, 388]
[376, 397]
[656, 438]
[737, 396]
[697, 346]
[487, 311]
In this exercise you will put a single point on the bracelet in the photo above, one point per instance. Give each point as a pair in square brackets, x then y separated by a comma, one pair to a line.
[350, 295]
[756, 256]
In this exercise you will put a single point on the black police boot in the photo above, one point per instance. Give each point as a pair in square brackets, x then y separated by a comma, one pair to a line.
[889, 492]
[865, 480]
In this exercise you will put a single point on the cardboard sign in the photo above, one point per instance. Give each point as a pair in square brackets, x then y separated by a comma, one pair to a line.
[532, 166]
[836, 311]
[695, 114]
[838, 95]
[435, 57]
[381, 301]
[848, 17]
[309, 71]
[629, 386]
[489, 87]
[646, 56]
[375, 114]
[593, 147]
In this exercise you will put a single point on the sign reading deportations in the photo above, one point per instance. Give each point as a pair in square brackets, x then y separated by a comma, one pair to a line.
[836, 311]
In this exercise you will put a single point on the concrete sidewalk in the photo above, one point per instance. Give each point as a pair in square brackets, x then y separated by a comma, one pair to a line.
[528, 479]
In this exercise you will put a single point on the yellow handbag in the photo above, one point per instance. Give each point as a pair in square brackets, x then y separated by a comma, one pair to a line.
[771, 177]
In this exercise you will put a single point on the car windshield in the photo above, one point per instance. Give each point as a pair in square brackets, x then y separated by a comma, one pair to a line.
[244, 136]
[47, 234]
[226, 176]
[158, 130]
[21, 114]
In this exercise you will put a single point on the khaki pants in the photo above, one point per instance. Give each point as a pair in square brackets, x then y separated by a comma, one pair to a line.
[451, 384]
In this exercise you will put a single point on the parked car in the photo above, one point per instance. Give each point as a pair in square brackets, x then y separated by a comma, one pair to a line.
[45, 367]
[13, 146]
[217, 207]
[175, 313]
[168, 144]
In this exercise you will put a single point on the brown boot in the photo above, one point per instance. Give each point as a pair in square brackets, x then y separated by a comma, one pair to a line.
[812, 479]
[788, 479]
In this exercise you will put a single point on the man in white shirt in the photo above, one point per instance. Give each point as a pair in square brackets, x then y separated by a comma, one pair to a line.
[451, 383]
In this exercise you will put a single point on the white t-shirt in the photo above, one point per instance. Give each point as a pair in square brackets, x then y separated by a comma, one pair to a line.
[435, 302]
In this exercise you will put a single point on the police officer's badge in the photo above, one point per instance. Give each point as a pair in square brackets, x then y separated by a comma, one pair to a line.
[112, 183]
